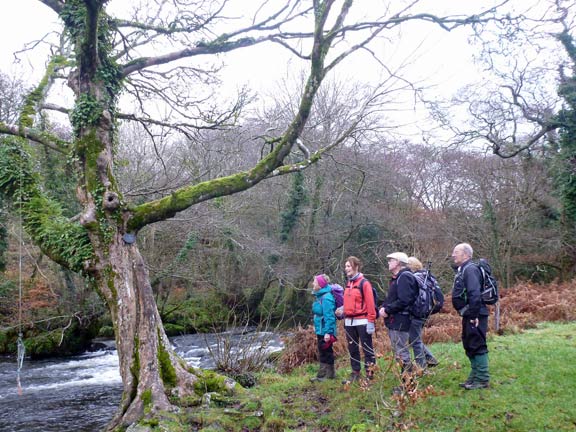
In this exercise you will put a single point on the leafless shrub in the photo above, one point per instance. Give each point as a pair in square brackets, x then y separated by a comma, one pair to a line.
[242, 351]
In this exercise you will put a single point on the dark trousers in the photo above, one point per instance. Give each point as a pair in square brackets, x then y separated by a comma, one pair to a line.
[325, 355]
[474, 338]
[356, 335]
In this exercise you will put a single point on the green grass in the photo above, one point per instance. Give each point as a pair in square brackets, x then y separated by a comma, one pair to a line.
[533, 388]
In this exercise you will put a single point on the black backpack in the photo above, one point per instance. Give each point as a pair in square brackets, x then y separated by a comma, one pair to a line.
[430, 298]
[489, 284]
[374, 293]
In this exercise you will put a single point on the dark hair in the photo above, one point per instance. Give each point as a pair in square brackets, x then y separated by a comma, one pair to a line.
[355, 262]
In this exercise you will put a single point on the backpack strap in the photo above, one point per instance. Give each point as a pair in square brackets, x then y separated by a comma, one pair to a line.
[482, 276]
[407, 273]
[460, 274]
[374, 293]
[361, 288]
[397, 280]
[323, 295]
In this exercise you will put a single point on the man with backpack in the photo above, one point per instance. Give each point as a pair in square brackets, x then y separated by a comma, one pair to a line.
[395, 309]
[467, 300]
[429, 304]
[359, 313]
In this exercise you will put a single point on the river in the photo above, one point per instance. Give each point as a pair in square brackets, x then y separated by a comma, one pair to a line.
[81, 393]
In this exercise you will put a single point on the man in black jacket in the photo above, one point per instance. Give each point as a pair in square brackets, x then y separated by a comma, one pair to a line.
[467, 300]
[395, 309]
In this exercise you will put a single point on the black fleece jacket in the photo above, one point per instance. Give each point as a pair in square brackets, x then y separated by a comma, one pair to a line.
[402, 293]
[466, 292]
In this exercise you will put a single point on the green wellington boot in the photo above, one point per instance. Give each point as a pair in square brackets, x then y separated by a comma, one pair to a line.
[472, 375]
[481, 375]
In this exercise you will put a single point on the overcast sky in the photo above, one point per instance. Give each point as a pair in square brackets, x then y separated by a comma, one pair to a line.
[437, 58]
[443, 53]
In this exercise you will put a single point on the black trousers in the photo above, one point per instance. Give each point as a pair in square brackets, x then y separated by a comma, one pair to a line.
[325, 355]
[356, 335]
[474, 338]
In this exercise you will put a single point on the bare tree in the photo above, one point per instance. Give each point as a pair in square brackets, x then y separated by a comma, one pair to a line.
[526, 105]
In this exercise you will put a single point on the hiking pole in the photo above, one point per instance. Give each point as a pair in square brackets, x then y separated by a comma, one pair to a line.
[428, 266]
[497, 317]
[427, 272]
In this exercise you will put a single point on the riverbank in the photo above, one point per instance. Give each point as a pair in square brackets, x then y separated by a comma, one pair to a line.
[532, 388]
[81, 393]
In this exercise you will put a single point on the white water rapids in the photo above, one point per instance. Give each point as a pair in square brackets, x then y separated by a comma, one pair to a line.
[81, 393]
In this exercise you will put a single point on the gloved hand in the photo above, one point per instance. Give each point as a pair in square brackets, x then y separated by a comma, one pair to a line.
[328, 343]
[370, 328]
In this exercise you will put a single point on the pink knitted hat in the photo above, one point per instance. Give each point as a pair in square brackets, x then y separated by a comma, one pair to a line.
[321, 281]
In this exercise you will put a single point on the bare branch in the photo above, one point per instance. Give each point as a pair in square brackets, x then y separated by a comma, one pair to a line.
[279, 41]
[41, 137]
[224, 43]
[497, 145]
[517, 100]
[201, 49]
[162, 30]
[185, 128]
[55, 5]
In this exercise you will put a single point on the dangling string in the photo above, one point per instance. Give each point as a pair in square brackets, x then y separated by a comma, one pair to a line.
[21, 348]
[20, 360]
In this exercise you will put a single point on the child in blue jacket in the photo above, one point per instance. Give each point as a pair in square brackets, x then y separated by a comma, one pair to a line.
[324, 326]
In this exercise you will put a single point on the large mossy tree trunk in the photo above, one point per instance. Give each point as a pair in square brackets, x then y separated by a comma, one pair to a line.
[149, 367]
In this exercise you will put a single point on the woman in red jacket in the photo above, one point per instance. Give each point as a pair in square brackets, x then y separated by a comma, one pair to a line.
[359, 312]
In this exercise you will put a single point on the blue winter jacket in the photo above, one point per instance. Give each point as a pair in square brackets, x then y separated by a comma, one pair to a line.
[323, 309]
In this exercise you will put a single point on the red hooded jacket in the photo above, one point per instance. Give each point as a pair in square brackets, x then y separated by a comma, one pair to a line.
[354, 305]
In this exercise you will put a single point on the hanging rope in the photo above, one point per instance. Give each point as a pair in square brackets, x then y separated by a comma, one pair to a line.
[21, 348]
[20, 361]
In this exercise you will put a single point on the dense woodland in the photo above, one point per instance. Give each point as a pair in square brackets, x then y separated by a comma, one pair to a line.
[251, 256]
[150, 204]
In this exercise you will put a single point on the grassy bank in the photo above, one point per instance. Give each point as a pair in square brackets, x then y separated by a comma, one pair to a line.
[533, 376]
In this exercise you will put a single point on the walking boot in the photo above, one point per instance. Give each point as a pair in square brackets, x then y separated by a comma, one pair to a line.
[321, 375]
[354, 377]
[474, 385]
[406, 368]
[330, 371]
